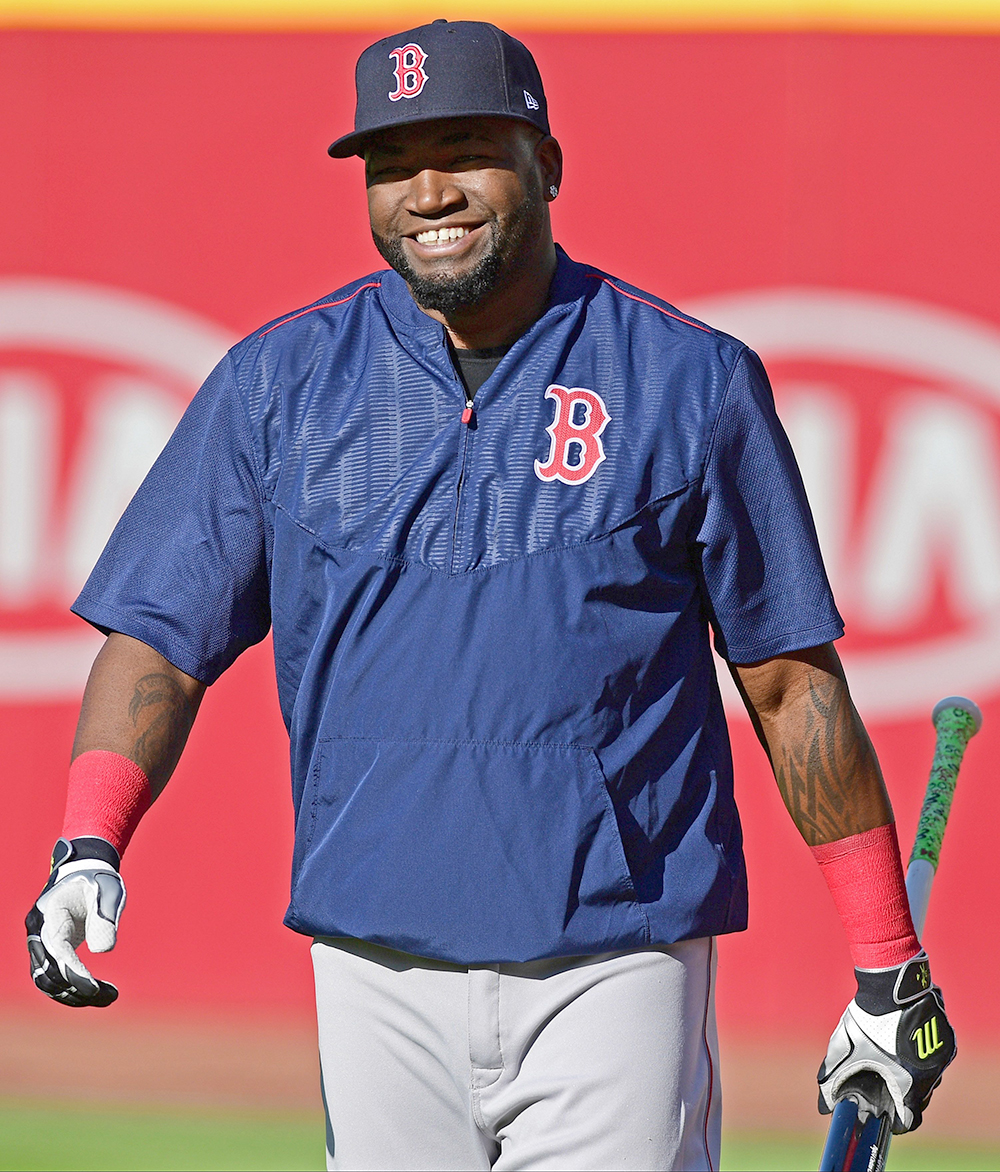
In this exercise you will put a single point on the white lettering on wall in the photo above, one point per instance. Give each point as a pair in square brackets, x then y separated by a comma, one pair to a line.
[28, 425]
[130, 421]
[821, 429]
[71, 454]
[934, 506]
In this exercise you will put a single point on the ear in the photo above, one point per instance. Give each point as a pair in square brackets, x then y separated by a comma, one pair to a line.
[548, 153]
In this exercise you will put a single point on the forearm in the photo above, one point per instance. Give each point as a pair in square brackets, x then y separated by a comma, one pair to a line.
[139, 705]
[136, 715]
[831, 783]
[823, 761]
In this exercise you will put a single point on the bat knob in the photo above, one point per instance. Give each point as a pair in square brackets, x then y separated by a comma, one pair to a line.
[966, 705]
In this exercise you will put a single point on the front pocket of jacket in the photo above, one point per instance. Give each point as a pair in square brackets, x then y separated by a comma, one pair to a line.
[467, 851]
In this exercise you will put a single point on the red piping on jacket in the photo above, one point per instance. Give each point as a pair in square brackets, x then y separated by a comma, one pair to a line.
[325, 305]
[632, 297]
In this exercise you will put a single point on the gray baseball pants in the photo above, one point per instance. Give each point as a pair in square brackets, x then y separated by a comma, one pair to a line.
[599, 1062]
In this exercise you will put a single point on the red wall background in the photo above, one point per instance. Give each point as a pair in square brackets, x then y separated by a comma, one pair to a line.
[190, 168]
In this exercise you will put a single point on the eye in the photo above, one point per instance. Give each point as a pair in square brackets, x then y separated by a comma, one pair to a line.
[470, 160]
[386, 174]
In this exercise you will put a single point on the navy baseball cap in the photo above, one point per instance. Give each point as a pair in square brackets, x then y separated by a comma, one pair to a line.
[448, 69]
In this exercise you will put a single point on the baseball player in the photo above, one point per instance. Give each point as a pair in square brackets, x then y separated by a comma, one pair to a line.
[491, 502]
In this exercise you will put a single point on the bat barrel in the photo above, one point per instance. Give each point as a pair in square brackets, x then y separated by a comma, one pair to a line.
[841, 1137]
[856, 1141]
[919, 879]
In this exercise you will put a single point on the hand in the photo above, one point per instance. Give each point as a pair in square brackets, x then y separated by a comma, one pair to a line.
[83, 899]
[895, 1027]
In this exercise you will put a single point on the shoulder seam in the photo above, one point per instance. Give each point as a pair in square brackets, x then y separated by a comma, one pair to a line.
[258, 471]
[718, 415]
[323, 305]
[651, 304]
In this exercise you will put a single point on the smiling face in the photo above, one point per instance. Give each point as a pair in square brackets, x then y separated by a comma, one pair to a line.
[458, 207]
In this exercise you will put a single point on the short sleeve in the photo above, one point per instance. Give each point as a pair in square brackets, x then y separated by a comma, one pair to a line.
[760, 559]
[186, 570]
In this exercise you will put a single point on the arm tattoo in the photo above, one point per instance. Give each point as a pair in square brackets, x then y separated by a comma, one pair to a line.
[818, 771]
[162, 716]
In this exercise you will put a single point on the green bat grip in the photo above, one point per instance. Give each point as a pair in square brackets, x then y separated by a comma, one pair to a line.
[956, 720]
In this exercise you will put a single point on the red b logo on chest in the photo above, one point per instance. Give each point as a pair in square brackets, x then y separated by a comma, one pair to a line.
[576, 450]
[409, 73]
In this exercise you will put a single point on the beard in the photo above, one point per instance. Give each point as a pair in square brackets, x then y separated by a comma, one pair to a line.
[506, 254]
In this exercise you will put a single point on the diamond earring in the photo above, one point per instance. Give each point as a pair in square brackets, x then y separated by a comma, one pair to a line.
[553, 190]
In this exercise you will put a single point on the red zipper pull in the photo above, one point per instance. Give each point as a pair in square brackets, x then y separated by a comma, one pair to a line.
[467, 413]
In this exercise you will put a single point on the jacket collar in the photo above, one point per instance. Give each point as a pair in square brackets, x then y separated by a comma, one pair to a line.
[568, 286]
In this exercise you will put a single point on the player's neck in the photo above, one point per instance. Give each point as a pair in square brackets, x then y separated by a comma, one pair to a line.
[510, 309]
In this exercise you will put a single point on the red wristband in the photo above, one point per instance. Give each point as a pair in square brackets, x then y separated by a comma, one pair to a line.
[865, 876]
[107, 796]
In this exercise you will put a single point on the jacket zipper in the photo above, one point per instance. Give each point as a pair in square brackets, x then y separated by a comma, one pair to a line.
[467, 417]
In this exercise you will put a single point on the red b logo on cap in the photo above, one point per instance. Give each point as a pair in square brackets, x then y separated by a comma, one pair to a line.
[409, 72]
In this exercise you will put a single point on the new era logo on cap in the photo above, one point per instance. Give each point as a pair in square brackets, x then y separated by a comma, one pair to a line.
[448, 69]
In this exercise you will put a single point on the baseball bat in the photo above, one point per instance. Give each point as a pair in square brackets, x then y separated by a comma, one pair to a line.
[861, 1126]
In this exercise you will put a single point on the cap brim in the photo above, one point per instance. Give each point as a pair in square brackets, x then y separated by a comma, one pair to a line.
[354, 143]
[349, 144]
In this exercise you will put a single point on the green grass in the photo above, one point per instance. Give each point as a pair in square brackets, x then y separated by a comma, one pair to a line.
[75, 1137]
[776, 1152]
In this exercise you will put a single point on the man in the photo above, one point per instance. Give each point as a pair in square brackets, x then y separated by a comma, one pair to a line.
[491, 502]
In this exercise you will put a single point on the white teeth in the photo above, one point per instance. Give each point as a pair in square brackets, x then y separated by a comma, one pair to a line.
[441, 235]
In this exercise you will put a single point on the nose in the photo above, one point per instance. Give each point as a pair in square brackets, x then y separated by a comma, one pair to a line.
[433, 193]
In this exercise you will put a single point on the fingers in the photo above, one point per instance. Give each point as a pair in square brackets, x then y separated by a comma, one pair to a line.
[57, 945]
[70, 987]
[105, 901]
[64, 909]
[101, 935]
[70, 976]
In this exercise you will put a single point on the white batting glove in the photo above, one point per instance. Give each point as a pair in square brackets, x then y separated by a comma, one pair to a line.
[82, 901]
[896, 1028]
